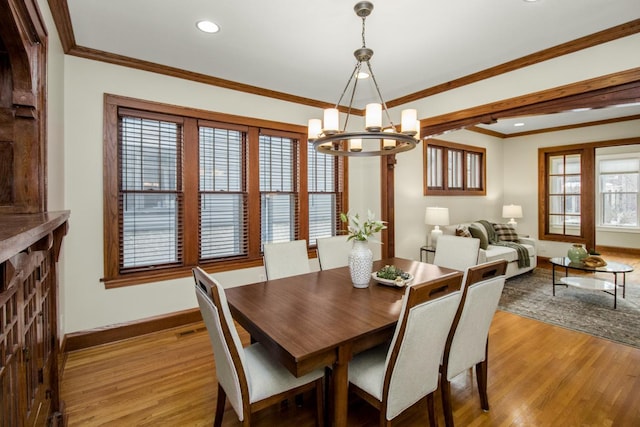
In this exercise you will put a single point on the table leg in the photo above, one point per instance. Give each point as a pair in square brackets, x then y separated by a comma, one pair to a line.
[340, 379]
[553, 279]
[615, 290]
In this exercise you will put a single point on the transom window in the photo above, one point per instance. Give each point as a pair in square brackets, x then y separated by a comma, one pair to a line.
[185, 187]
[453, 169]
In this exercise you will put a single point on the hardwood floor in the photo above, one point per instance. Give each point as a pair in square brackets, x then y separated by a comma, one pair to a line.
[539, 375]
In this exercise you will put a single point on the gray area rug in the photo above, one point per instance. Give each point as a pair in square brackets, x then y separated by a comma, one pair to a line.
[530, 295]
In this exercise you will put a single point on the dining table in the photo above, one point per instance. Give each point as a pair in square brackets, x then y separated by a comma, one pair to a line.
[320, 319]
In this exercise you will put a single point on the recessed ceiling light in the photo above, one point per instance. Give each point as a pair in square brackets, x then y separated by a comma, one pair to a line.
[518, 124]
[208, 26]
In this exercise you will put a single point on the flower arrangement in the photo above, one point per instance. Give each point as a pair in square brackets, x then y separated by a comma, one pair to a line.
[362, 231]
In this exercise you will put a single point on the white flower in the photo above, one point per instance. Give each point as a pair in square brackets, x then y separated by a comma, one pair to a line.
[362, 231]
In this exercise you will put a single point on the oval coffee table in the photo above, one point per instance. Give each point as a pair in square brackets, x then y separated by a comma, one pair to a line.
[591, 283]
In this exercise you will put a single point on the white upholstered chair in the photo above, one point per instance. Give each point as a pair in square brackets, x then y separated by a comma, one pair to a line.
[393, 378]
[249, 377]
[467, 343]
[456, 252]
[285, 259]
[333, 252]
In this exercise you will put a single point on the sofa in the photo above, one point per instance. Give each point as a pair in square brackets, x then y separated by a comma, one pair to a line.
[507, 244]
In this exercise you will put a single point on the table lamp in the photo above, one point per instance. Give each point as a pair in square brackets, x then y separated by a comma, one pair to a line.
[436, 216]
[512, 211]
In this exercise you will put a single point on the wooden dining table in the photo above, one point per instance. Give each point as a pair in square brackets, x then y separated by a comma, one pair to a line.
[319, 319]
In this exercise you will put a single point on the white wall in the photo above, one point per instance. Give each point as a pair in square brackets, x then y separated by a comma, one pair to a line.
[410, 203]
[76, 90]
[521, 177]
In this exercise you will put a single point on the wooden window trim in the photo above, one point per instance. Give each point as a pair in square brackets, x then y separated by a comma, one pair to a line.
[445, 190]
[587, 194]
[112, 105]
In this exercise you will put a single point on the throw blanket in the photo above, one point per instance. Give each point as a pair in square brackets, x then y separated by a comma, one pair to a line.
[523, 253]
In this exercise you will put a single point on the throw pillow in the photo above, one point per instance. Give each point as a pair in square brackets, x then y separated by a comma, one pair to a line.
[479, 234]
[463, 231]
[506, 232]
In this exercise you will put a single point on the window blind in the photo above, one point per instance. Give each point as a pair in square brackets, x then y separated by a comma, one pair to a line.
[223, 198]
[150, 199]
[278, 188]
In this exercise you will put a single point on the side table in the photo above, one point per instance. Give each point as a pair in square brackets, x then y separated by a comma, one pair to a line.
[426, 250]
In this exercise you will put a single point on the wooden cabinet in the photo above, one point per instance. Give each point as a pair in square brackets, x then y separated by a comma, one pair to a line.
[29, 344]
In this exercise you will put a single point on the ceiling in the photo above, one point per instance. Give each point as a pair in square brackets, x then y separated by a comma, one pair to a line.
[306, 48]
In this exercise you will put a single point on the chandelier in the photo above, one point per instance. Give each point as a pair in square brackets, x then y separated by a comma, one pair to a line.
[328, 138]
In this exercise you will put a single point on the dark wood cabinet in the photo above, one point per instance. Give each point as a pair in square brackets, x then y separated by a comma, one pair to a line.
[29, 340]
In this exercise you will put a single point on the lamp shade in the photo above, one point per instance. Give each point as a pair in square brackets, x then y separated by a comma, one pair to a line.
[436, 216]
[512, 211]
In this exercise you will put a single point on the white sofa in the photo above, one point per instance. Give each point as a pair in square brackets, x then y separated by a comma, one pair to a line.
[495, 252]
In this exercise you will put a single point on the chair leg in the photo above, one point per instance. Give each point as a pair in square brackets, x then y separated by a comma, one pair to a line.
[481, 376]
[431, 407]
[445, 390]
[220, 401]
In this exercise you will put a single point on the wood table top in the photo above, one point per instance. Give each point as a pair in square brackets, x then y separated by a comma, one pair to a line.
[303, 319]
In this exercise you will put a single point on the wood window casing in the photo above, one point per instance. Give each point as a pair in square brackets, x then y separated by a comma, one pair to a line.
[452, 169]
[189, 218]
[586, 232]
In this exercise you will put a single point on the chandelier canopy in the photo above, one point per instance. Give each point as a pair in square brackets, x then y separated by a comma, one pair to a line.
[328, 138]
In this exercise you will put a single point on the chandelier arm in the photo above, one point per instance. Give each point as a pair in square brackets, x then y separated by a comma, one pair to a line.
[353, 94]
[346, 87]
[382, 101]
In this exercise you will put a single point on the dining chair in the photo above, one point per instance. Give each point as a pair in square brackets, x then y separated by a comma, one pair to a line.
[333, 252]
[467, 344]
[456, 252]
[284, 259]
[249, 377]
[394, 377]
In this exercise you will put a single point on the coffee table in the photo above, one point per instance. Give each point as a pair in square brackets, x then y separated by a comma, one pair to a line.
[591, 283]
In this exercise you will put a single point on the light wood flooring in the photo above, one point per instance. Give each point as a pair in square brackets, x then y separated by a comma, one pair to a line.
[539, 375]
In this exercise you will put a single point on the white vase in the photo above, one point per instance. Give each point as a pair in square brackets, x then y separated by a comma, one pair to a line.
[360, 263]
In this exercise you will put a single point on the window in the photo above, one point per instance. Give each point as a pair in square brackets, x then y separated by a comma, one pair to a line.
[618, 183]
[222, 192]
[150, 191]
[563, 194]
[185, 187]
[278, 189]
[566, 190]
[453, 169]
[325, 201]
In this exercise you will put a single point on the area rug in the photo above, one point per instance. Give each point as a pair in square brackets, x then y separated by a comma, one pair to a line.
[530, 295]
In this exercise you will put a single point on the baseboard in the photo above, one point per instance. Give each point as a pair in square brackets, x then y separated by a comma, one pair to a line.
[613, 249]
[121, 331]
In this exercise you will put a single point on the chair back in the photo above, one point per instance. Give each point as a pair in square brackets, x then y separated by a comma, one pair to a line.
[227, 347]
[285, 259]
[333, 252]
[413, 360]
[467, 342]
[456, 252]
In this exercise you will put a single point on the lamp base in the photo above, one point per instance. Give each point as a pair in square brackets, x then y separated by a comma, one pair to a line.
[513, 223]
[435, 233]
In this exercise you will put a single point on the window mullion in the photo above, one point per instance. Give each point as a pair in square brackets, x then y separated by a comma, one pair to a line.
[191, 212]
